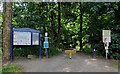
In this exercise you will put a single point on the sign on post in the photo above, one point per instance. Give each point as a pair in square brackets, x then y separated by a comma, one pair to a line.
[45, 44]
[106, 39]
[106, 36]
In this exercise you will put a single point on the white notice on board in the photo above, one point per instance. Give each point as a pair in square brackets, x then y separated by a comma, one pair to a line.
[35, 39]
[21, 38]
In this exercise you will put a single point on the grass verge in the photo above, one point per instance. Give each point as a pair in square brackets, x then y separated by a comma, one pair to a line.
[10, 68]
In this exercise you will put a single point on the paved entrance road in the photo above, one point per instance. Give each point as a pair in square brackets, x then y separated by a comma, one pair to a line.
[62, 63]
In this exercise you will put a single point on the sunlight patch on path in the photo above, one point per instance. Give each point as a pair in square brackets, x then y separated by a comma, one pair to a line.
[66, 69]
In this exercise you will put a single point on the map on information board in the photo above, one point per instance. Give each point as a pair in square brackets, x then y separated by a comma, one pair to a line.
[21, 38]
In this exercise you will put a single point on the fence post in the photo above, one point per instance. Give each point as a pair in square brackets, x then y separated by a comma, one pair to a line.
[94, 51]
[40, 44]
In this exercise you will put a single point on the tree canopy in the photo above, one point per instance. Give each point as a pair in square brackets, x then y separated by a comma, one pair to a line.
[70, 24]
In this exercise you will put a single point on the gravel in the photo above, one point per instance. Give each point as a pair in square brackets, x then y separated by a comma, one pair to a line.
[62, 63]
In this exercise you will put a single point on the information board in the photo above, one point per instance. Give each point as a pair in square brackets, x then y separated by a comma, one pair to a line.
[35, 38]
[21, 38]
[106, 35]
[106, 39]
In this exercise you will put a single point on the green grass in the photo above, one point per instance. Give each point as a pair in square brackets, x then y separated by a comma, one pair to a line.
[11, 68]
[117, 64]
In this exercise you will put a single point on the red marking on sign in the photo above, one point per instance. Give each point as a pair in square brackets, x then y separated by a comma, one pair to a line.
[105, 39]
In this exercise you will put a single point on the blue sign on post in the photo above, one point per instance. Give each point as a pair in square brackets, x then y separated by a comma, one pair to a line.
[46, 39]
[45, 44]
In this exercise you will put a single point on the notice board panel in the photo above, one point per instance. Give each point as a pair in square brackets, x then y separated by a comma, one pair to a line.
[21, 38]
[35, 38]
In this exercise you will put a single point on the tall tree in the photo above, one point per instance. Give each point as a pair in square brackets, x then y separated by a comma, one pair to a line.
[59, 25]
[53, 22]
[7, 21]
[81, 21]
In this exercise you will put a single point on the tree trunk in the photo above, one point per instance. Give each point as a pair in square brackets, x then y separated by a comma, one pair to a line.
[44, 29]
[52, 25]
[59, 25]
[117, 13]
[7, 21]
[0, 37]
[81, 21]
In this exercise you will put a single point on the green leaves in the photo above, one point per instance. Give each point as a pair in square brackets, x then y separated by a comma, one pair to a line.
[115, 6]
[96, 17]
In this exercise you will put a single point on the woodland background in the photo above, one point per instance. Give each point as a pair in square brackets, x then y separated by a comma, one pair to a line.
[69, 25]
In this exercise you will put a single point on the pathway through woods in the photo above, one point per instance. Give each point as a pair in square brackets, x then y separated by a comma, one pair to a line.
[62, 63]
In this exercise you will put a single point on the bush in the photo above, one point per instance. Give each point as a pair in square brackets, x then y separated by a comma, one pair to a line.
[87, 49]
[115, 46]
[24, 51]
[53, 51]
[100, 50]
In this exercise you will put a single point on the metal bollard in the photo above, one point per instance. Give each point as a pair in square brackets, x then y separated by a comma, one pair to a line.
[94, 51]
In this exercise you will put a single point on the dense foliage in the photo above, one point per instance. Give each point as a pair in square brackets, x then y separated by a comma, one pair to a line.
[62, 22]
